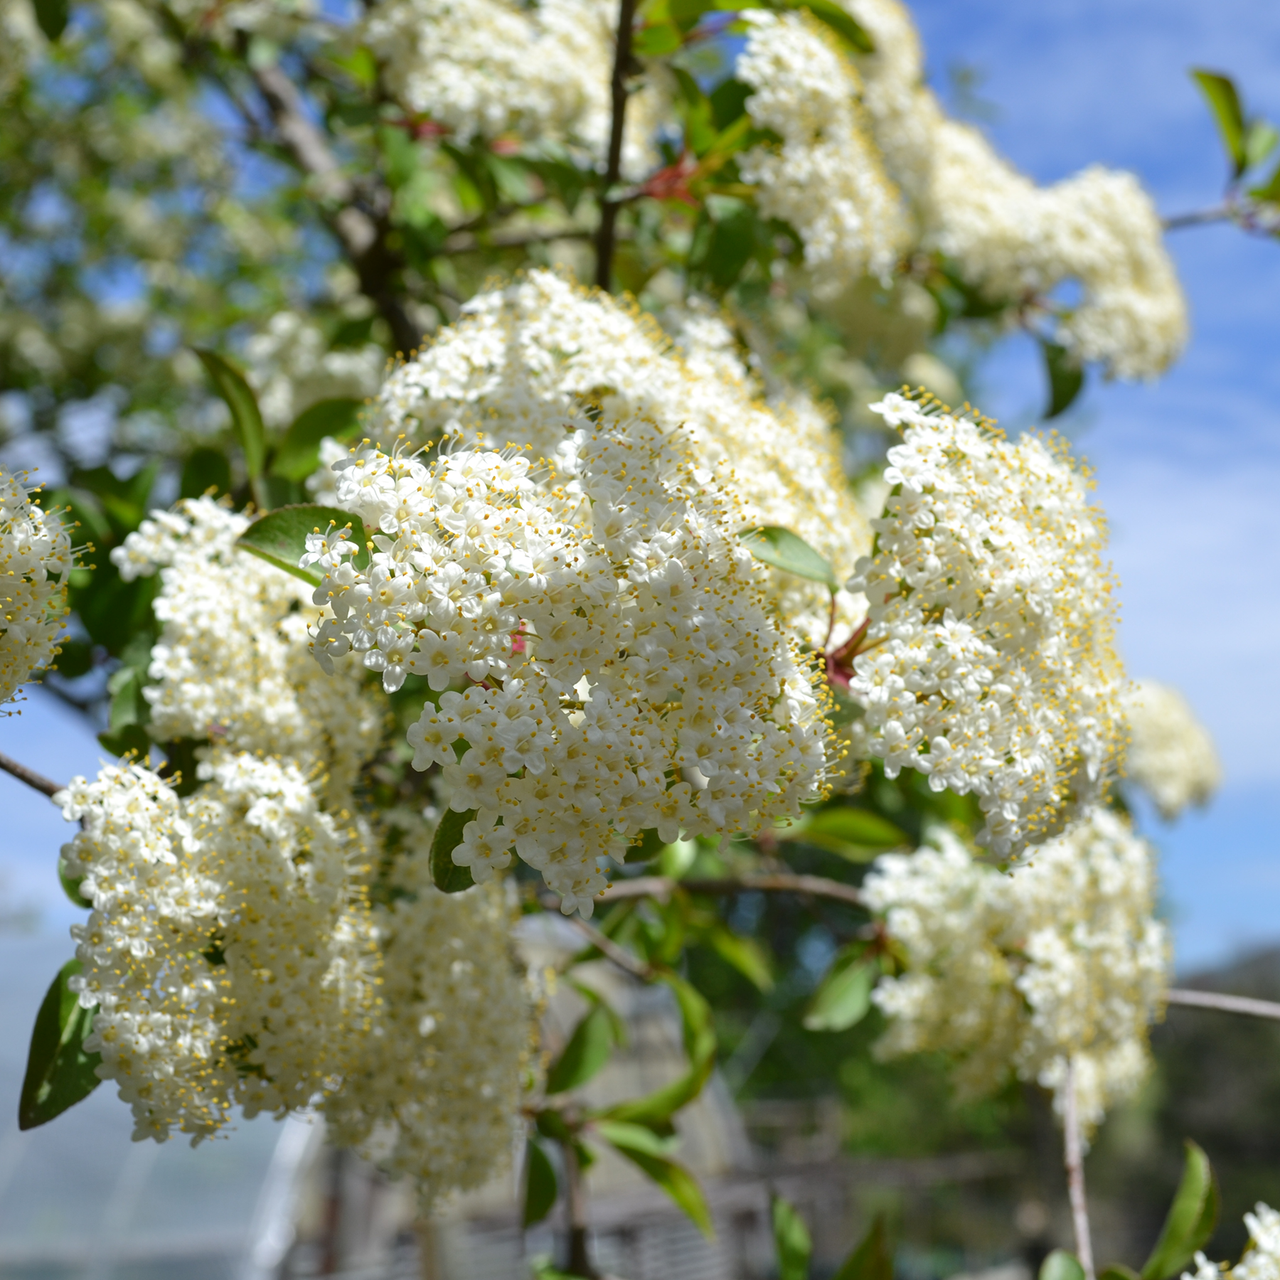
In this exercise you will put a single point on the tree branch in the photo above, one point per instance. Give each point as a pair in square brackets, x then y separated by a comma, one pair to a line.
[662, 887]
[467, 242]
[606, 234]
[1198, 218]
[1073, 1148]
[1223, 1003]
[46, 786]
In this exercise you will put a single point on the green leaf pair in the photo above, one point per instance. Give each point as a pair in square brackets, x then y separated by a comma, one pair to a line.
[59, 1071]
[870, 1259]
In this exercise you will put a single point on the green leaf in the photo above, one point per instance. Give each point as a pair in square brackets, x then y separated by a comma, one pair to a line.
[446, 875]
[299, 452]
[699, 1044]
[280, 537]
[1192, 1217]
[837, 18]
[687, 13]
[655, 40]
[1117, 1271]
[246, 420]
[1066, 378]
[845, 822]
[871, 1260]
[646, 1151]
[540, 1187]
[1259, 142]
[844, 996]
[59, 1072]
[791, 1240]
[1270, 190]
[648, 846]
[785, 550]
[71, 887]
[587, 1051]
[205, 469]
[729, 102]
[130, 739]
[1220, 93]
[52, 16]
[744, 954]
[1061, 1265]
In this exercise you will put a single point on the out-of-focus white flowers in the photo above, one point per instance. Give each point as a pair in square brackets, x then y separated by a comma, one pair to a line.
[623, 672]
[1261, 1259]
[1171, 755]
[1059, 959]
[35, 559]
[988, 662]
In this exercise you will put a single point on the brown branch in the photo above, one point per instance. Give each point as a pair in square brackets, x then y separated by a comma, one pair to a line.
[37, 781]
[1199, 218]
[662, 887]
[361, 235]
[1223, 1003]
[606, 234]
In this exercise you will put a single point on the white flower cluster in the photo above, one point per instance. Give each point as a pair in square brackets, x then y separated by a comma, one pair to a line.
[1170, 755]
[35, 559]
[434, 1092]
[233, 664]
[483, 68]
[989, 661]
[1010, 238]
[1060, 959]
[230, 951]
[290, 367]
[1261, 1259]
[523, 358]
[825, 177]
[623, 671]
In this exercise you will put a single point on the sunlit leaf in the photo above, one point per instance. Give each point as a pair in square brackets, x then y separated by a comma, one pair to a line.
[1192, 1217]
[280, 537]
[1220, 93]
[646, 1151]
[747, 955]
[844, 996]
[1061, 1265]
[785, 550]
[791, 1240]
[246, 419]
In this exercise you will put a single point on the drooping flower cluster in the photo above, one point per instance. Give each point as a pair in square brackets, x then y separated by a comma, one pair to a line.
[623, 671]
[825, 177]
[1060, 959]
[483, 68]
[230, 951]
[1170, 755]
[1009, 238]
[434, 1092]
[1261, 1259]
[989, 661]
[522, 358]
[35, 559]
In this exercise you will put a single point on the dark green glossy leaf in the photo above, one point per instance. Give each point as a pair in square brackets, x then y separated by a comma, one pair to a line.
[871, 1260]
[788, 551]
[648, 846]
[655, 40]
[839, 20]
[587, 1051]
[447, 875]
[132, 739]
[52, 16]
[1061, 1265]
[205, 469]
[280, 537]
[540, 1188]
[1260, 141]
[844, 822]
[1192, 1217]
[1066, 378]
[729, 102]
[791, 1240]
[59, 1072]
[299, 452]
[647, 1151]
[71, 887]
[1117, 1271]
[844, 995]
[1220, 93]
[246, 420]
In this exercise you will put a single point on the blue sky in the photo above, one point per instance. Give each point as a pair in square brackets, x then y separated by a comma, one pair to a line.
[1188, 468]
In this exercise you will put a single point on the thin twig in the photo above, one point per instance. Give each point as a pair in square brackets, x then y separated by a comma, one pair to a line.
[33, 779]
[468, 242]
[1073, 1148]
[1198, 218]
[1222, 1002]
[607, 231]
[662, 887]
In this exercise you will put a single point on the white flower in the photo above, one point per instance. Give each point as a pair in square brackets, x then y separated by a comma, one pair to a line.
[35, 559]
[1020, 972]
[616, 668]
[1171, 755]
[989, 662]
[1262, 1260]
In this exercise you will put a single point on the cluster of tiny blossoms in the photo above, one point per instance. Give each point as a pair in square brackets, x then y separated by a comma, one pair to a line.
[229, 951]
[35, 558]
[1261, 1259]
[1171, 755]
[989, 663]
[434, 1092]
[233, 663]
[1060, 959]
[623, 670]
[825, 177]
[1010, 238]
[488, 67]
[523, 358]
